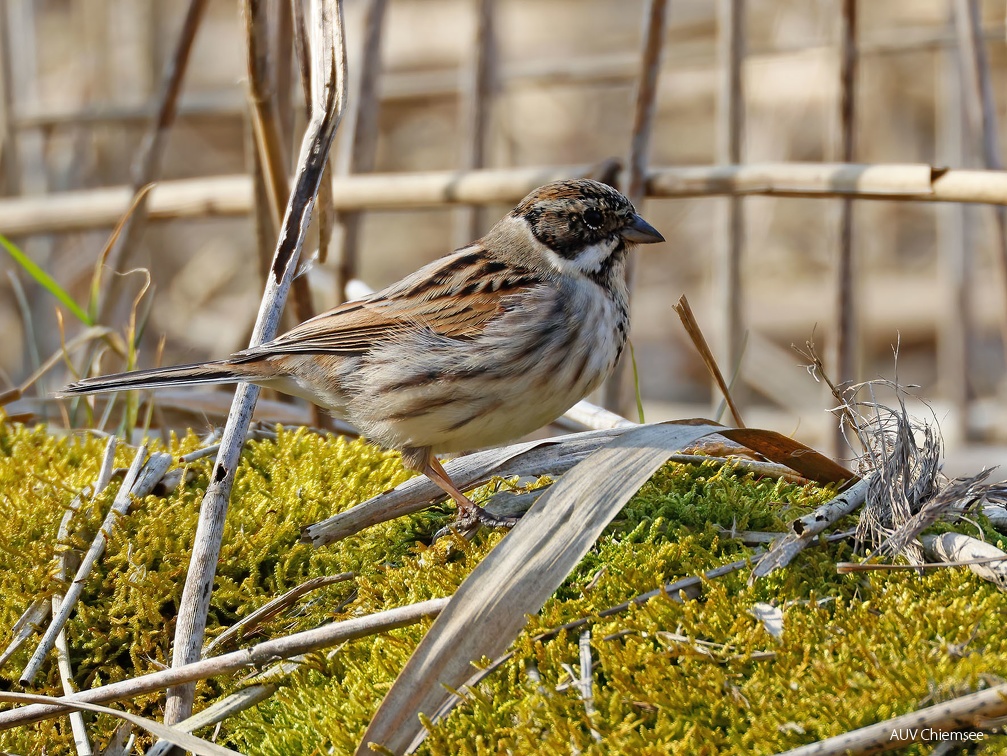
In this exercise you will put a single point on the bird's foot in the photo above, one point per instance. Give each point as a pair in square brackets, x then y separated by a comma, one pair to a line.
[472, 515]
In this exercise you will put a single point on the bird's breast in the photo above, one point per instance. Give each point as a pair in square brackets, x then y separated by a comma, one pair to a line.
[548, 350]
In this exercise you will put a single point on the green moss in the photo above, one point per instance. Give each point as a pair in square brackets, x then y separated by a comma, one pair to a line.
[855, 649]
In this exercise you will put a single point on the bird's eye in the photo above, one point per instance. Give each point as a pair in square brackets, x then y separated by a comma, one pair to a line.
[592, 218]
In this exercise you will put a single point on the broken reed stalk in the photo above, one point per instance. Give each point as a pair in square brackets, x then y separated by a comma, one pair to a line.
[147, 166]
[270, 150]
[655, 25]
[231, 195]
[328, 82]
[67, 564]
[477, 92]
[684, 310]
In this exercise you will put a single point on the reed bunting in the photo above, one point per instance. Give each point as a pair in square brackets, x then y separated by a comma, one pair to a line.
[475, 349]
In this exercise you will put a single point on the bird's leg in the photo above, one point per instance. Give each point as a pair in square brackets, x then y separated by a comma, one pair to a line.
[469, 513]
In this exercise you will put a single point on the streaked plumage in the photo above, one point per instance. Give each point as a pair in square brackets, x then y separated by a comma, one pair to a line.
[475, 349]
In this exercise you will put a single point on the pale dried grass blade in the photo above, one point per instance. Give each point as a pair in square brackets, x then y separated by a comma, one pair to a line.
[684, 310]
[191, 743]
[515, 579]
[550, 456]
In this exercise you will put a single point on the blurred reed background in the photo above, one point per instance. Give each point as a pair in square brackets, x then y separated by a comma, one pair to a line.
[464, 84]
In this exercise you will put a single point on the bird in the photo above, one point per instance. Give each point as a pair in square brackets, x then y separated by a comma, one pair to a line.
[475, 349]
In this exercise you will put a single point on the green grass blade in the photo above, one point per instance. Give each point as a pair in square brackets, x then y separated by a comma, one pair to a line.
[636, 382]
[45, 280]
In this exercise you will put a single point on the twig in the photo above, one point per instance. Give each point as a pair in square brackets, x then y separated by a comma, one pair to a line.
[654, 33]
[264, 653]
[328, 99]
[272, 608]
[804, 529]
[684, 311]
[140, 480]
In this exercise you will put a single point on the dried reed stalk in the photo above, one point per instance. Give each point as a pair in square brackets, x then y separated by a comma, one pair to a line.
[684, 310]
[478, 88]
[272, 159]
[845, 345]
[364, 141]
[140, 480]
[730, 126]
[980, 106]
[655, 24]
[328, 83]
[249, 658]
[232, 195]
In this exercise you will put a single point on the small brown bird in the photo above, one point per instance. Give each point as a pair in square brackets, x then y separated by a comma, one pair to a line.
[475, 349]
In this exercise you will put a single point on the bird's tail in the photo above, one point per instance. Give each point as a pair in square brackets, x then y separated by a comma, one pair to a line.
[179, 375]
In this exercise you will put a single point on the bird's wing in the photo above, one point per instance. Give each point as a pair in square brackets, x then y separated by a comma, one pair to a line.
[456, 297]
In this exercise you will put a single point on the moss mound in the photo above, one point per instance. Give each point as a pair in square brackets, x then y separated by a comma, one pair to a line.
[696, 677]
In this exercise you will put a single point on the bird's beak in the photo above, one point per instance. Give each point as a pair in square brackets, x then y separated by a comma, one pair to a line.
[641, 232]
